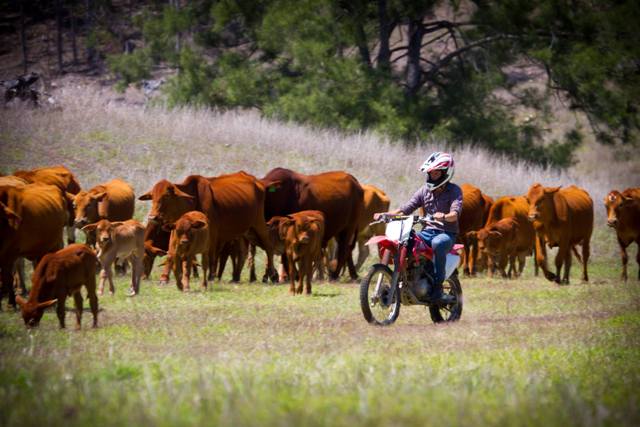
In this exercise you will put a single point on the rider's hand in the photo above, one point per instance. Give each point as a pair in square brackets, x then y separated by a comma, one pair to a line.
[438, 216]
[377, 215]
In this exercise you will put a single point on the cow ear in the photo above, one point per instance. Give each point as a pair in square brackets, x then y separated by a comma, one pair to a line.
[627, 199]
[550, 190]
[13, 218]
[169, 226]
[90, 227]
[472, 235]
[283, 226]
[155, 251]
[178, 192]
[146, 196]
[198, 224]
[21, 300]
[495, 233]
[70, 197]
[46, 304]
[99, 196]
[561, 208]
[116, 224]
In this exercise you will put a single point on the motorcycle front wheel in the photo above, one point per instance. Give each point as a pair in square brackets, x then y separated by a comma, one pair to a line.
[378, 306]
[450, 312]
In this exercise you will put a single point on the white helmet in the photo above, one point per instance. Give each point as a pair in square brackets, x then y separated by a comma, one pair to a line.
[438, 161]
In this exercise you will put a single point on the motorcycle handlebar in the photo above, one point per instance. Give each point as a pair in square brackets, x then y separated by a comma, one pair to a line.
[424, 220]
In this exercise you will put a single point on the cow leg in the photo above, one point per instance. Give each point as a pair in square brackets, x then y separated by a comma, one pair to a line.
[563, 258]
[263, 240]
[251, 260]
[136, 274]
[90, 284]
[625, 258]
[77, 298]
[302, 271]
[503, 260]
[586, 252]
[490, 265]
[60, 310]
[166, 270]
[292, 277]
[6, 274]
[363, 254]
[18, 279]
[309, 260]
[222, 263]
[185, 273]
[465, 259]
[522, 256]
[541, 257]
[204, 261]
[512, 266]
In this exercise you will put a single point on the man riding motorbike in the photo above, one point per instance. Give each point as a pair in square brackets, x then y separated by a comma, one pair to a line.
[441, 199]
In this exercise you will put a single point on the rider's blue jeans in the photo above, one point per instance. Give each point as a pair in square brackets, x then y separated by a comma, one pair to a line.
[441, 242]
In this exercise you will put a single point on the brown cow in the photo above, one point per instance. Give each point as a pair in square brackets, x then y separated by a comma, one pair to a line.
[233, 203]
[301, 234]
[563, 218]
[519, 237]
[32, 219]
[62, 178]
[475, 210]
[503, 242]
[123, 240]
[189, 237]
[18, 281]
[57, 276]
[623, 214]
[338, 195]
[113, 201]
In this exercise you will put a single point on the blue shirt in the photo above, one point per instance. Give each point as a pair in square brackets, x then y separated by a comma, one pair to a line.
[448, 200]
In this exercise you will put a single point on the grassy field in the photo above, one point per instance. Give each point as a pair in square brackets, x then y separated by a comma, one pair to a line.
[526, 352]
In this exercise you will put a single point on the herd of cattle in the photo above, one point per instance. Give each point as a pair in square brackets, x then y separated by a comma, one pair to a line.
[312, 221]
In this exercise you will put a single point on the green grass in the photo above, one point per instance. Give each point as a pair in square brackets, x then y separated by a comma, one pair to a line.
[526, 352]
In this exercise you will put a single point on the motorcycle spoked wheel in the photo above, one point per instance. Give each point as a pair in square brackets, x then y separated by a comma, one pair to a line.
[375, 289]
[449, 312]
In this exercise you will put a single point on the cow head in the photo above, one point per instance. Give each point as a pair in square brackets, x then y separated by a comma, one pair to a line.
[545, 205]
[85, 206]
[169, 202]
[616, 203]
[297, 234]
[105, 232]
[183, 230]
[31, 309]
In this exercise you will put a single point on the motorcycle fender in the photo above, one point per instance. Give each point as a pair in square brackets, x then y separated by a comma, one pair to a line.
[451, 264]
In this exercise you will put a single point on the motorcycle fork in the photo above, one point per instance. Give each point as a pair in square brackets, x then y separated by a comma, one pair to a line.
[396, 271]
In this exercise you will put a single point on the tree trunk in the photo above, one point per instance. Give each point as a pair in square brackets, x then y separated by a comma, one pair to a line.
[414, 71]
[59, 34]
[361, 40]
[384, 54]
[74, 46]
[23, 38]
[91, 51]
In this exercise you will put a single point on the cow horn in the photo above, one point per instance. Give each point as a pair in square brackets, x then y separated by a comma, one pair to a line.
[21, 300]
[47, 303]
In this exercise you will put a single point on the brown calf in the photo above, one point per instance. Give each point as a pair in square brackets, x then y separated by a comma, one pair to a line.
[623, 214]
[503, 242]
[120, 239]
[302, 234]
[57, 276]
[189, 237]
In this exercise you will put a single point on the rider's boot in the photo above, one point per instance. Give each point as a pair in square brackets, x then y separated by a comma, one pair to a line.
[439, 297]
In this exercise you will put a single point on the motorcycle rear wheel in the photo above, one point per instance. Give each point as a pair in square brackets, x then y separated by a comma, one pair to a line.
[377, 307]
[449, 312]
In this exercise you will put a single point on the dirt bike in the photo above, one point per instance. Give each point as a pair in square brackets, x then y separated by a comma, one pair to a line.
[383, 290]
